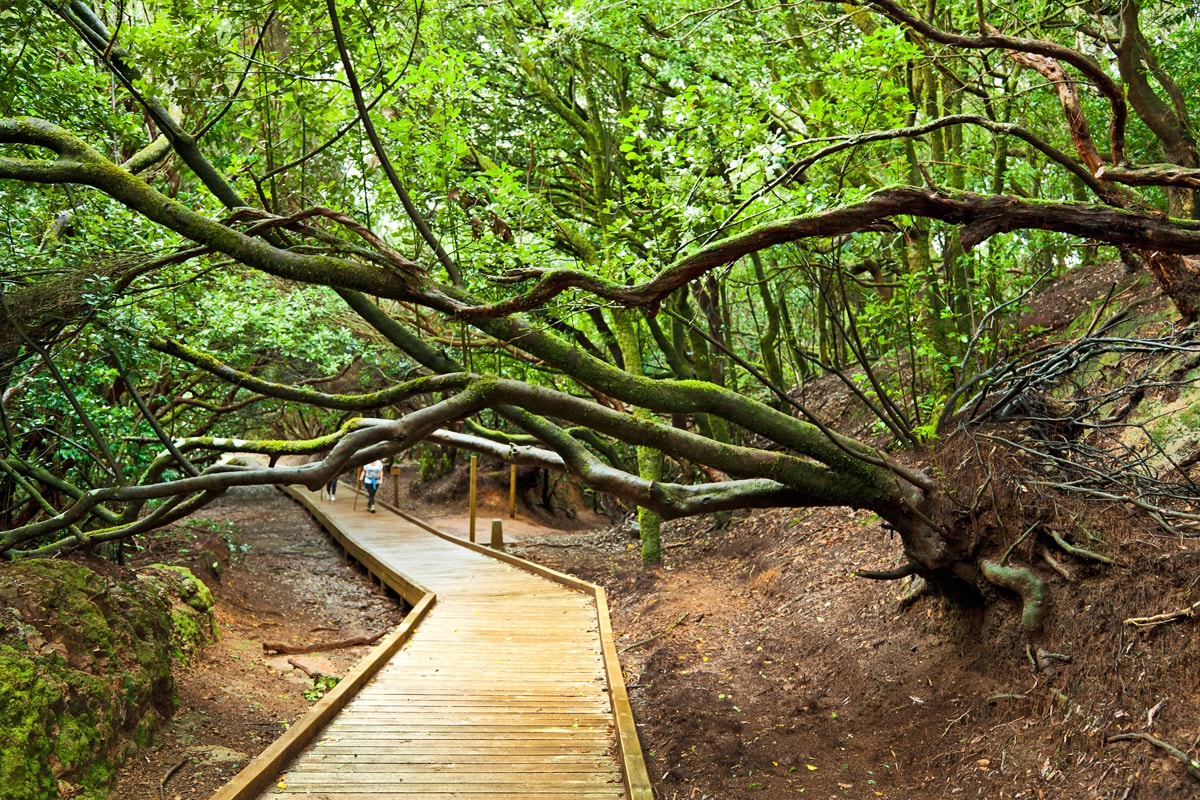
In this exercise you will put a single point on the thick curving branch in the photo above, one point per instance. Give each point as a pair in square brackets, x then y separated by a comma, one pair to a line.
[821, 479]
[979, 216]
[521, 455]
[357, 443]
[79, 164]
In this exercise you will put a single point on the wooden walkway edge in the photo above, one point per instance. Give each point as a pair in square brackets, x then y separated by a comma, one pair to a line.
[539, 725]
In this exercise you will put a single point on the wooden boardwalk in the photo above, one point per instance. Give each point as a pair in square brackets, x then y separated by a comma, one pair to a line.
[501, 683]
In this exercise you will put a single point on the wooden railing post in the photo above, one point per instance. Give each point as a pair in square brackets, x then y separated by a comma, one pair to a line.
[474, 469]
[512, 491]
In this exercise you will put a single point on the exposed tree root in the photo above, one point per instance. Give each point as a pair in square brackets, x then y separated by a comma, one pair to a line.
[1161, 619]
[1056, 566]
[682, 617]
[1078, 551]
[915, 590]
[1022, 581]
[1193, 766]
[1040, 659]
[162, 785]
[902, 571]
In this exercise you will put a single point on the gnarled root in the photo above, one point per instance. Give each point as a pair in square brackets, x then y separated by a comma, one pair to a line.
[1022, 581]
[916, 589]
[902, 571]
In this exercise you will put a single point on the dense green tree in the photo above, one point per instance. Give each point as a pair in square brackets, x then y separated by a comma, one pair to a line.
[621, 233]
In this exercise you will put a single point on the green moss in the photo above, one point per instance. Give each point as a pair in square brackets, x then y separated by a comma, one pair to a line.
[84, 664]
[191, 589]
[187, 635]
[192, 621]
[25, 700]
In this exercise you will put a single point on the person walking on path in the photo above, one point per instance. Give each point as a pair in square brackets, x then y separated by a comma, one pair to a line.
[372, 474]
[331, 489]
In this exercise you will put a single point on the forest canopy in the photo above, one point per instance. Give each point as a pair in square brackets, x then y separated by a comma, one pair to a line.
[609, 239]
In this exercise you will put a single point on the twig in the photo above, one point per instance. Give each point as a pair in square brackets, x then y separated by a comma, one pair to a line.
[1056, 566]
[1020, 539]
[996, 698]
[955, 721]
[1150, 714]
[1193, 766]
[1160, 619]
[312, 674]
[682, 617]
[1041, 658]
[162, 790]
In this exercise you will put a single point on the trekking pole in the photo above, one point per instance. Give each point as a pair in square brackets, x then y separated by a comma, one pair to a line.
[357, 490]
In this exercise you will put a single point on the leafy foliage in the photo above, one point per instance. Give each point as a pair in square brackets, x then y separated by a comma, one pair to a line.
[374, 220]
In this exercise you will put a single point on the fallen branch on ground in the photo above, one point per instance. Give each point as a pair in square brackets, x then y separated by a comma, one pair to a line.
[162, 785]
[312, 674]
[320, 647]
[1160, 619]
[682, 617]
[1193, 766]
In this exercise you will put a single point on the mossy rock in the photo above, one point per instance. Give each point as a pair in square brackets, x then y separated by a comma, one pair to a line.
[85, 665]
[192, 621]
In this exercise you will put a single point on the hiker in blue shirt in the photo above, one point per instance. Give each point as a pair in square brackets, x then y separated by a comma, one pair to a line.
[372, 474]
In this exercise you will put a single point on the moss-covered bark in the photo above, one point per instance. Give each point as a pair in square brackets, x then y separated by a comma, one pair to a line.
[649, 459]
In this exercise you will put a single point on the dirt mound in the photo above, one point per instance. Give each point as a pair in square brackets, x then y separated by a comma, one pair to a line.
[759, 666]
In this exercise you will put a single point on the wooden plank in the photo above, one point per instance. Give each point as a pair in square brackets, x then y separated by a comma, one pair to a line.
[426, 761]
[434, 789]
[458, 793]
[354, 778]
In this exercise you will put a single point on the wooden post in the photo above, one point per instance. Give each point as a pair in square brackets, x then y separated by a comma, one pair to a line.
[512, 492]
[395, 485]
[474, 468]
[497, 534]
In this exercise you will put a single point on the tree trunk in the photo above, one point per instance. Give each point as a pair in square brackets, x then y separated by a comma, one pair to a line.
[649, 459]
